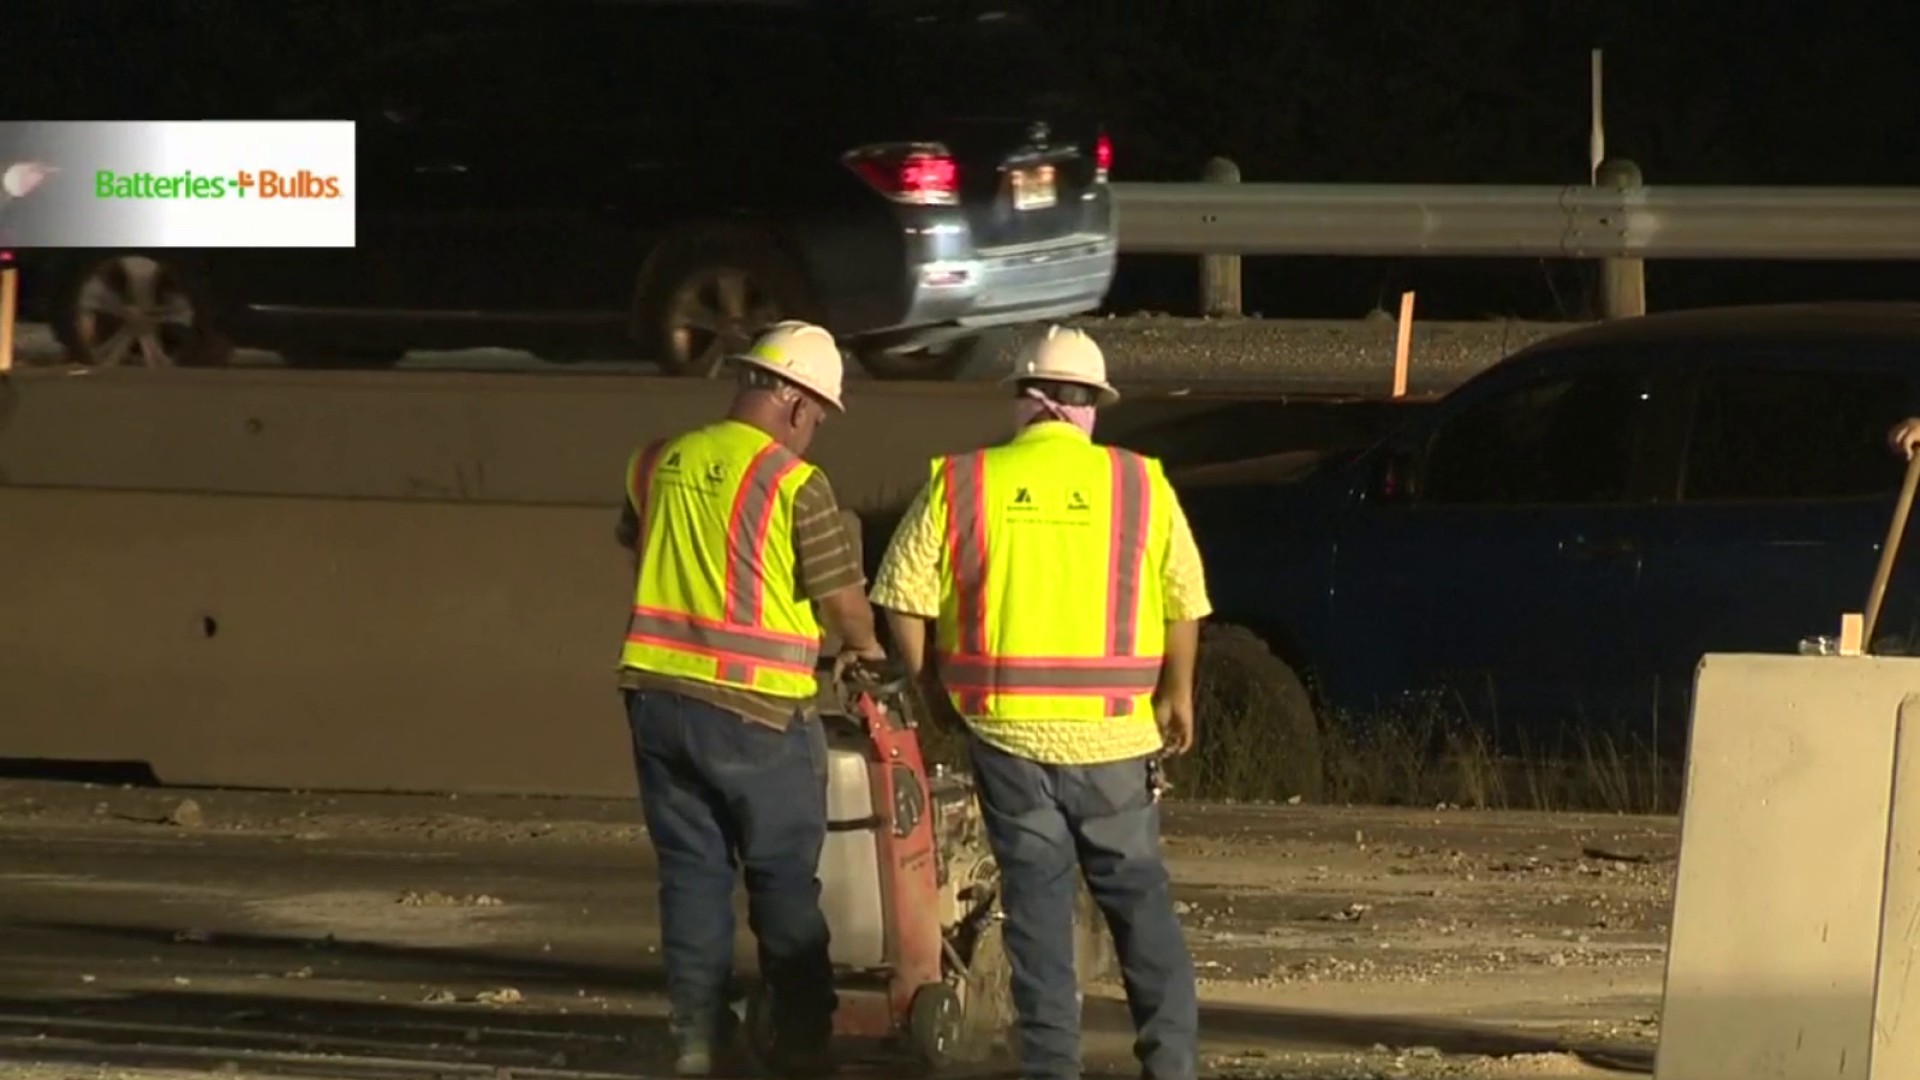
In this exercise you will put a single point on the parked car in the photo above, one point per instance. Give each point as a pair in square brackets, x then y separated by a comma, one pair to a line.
[659, 179]
[1258, 432]
[1560, 539]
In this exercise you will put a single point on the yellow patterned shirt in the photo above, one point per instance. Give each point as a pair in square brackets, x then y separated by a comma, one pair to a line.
[909, 582]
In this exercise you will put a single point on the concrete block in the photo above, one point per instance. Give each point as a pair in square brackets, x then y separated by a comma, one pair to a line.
[1896, 991]
[1776, 932]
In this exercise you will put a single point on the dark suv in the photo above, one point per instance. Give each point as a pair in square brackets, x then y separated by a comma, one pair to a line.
[657, 179]
[1561, 538]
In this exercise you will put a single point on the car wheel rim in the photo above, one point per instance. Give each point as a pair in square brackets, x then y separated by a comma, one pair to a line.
[716, 315]
[132, 312]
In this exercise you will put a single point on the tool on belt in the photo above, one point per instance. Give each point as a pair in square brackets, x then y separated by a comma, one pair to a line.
[1157, 781]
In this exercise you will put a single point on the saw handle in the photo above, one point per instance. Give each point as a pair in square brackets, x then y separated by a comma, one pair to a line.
[880, 679]
[1889, 553]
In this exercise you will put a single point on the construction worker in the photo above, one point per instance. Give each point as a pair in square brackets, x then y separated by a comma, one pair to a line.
[733, 534]
[1065, 593]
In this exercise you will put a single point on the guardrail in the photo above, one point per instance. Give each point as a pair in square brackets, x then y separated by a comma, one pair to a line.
[1617, 219]
[1524, 222]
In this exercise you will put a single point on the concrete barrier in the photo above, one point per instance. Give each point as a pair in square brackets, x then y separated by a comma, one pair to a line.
[461, 437]
[1777, 959]
[485, 438]
[316, 643]
[1896, 1005]
[365, 581]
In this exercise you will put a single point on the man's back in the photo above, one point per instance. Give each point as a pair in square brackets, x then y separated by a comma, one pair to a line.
[722, 480]
[1056, 521]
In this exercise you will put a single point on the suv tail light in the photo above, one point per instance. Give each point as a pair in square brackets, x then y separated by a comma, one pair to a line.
[919, 174]
[1102, 157]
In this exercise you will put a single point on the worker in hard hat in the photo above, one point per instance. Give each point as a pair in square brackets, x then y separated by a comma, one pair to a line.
[1065, 593]
[734, 533]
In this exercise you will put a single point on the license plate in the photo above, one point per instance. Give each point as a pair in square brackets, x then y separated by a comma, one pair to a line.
[1033, 189]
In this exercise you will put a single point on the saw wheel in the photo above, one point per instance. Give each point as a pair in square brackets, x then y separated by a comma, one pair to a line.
[989, 1012]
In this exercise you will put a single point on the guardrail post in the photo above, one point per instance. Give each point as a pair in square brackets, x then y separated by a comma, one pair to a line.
[1623, 282]
[1220, 274]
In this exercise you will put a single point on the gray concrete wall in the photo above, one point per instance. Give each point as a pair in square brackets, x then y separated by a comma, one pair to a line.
[315, 643]
[549, 440]
[359, 580]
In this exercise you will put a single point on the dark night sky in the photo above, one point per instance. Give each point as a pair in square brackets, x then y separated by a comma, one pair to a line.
[1468, 91]
[1496, 91]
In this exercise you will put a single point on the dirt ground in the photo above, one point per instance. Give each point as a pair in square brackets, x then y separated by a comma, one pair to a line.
[1295, 353]
[155, 934]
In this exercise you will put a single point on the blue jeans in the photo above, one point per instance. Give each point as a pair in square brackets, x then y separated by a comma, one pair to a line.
[1048, 824]
[718, 792]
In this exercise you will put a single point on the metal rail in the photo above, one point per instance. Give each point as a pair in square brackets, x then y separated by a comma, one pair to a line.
[1519, 221]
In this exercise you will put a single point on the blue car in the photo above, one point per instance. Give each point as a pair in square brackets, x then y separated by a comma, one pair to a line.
[1554, 544]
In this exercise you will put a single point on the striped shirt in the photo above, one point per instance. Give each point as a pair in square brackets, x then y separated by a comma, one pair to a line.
[826, 560]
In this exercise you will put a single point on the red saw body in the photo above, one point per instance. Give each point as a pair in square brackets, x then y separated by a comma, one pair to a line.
[910, 888]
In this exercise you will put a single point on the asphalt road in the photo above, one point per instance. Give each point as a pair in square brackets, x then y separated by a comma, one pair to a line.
[172, 949]
[282, 935]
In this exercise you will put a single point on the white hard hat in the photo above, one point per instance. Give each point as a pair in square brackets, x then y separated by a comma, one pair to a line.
[804, 355]
[1065, 355]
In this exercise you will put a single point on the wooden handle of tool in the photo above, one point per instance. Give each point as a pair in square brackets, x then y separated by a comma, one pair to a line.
[1896, 531]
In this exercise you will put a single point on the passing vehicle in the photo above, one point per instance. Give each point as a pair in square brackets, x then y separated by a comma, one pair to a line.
[658, 180]
[1557, 541]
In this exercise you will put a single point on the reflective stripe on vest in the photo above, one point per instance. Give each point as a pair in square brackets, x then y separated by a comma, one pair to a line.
[738, 649]
[970, 671]
[640, 490]
[729, 629]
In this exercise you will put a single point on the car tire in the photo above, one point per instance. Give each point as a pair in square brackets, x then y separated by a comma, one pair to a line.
[135, 310]
[736, 277]
[1253, 716]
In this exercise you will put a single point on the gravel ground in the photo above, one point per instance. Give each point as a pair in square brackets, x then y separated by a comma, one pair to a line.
[1300, 355]
[350, 936]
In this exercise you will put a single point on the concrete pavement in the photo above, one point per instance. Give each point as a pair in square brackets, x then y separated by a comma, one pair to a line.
[287, 935]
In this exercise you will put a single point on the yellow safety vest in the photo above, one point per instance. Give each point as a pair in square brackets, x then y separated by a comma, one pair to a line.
[717, 599]
[1051, 607]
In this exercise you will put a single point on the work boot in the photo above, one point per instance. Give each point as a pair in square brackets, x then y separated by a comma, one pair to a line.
[698, 1053]
[705, 1059]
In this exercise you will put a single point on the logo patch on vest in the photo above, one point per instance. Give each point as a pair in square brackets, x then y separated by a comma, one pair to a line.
[1045, 505]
